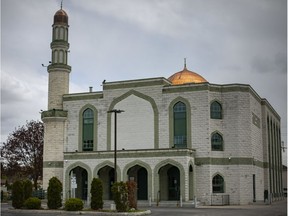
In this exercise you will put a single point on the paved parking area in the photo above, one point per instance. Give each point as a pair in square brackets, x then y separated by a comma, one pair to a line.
[276, 209]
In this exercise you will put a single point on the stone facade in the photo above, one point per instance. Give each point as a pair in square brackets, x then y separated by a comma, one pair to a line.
[164, 165]
[145, 139]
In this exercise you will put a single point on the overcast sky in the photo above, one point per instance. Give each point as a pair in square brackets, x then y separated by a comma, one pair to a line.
[225, 41]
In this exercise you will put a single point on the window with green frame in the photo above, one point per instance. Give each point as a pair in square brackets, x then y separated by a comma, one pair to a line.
[88, 130]
[217, 142]
[180, 125]
[216, 110]
[218, 184]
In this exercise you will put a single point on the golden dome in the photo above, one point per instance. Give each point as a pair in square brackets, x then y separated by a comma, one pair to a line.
[61, 17]
[186, 76]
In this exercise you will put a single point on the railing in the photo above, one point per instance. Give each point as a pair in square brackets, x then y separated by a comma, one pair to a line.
[219, 199]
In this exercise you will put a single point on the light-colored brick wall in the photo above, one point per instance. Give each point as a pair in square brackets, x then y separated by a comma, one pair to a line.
[54, 135]
[135, 126]
[58, 86]
[242, 138]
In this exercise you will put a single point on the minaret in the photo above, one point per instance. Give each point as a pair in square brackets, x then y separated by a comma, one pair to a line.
[55, 117]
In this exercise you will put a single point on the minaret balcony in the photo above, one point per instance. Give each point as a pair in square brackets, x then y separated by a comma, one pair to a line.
[59, 66]
[59, 44]
[54, 113]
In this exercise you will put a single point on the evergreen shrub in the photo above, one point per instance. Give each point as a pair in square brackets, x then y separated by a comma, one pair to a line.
[73, 204]
[17, 194]
[32, 203]
[54, 193]
[96, 194]
[27, 189]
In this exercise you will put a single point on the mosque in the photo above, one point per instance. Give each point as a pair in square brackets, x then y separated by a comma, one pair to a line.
[179, 138]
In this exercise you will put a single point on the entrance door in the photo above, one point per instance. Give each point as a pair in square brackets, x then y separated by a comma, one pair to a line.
[142, 184]
[81, 177]
[173, 183]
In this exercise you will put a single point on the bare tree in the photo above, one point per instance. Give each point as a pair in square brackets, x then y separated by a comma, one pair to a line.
[23, 152]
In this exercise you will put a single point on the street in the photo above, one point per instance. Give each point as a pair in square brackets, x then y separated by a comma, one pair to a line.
[276, 209]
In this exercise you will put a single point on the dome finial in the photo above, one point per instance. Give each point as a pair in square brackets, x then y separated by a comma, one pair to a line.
[61, 4]
[185, 63]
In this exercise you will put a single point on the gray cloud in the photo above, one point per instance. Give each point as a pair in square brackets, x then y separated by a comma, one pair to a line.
[239, 41]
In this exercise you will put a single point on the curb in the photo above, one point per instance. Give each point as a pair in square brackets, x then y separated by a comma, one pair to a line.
[147, 212]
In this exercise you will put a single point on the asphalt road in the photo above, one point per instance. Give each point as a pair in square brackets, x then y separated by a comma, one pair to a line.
[276, 209]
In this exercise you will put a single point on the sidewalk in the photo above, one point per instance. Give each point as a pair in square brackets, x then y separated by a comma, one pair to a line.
[252, 205]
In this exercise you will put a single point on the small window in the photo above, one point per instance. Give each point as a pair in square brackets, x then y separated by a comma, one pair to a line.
[216, 110]
[217, 142]
[88, 128]
[218, 184]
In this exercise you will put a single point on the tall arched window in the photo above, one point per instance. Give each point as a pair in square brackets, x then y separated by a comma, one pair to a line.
[180, 125]
[218, 184]
[55, 57]
[88, 130]
[216, 110]
[216, 142]
[61, 56]
[61, 33]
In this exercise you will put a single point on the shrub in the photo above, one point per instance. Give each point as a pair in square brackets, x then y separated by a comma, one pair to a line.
[54, 193]
[120, 195]
[32, 203]
[27, 189]
[132, 194]
[74, 204]
[17, 194]
[96, 194]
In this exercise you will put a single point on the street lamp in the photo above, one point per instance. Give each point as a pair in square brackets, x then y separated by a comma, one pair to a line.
[115, 111]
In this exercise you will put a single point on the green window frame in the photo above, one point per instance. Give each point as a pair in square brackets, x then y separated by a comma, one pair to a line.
[216, 142]
[180, 125]
[215, 110]
[88, 130]
[218, 184]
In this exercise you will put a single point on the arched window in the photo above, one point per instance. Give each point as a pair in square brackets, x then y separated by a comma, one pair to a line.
[56, 33]
[216, 110]
[216, 142]
[61, 33]
[180, 125]
[55, 57]
[88, 128]
[61, 56]
[218, 184]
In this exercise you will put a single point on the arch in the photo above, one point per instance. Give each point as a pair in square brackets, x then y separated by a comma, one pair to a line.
[218, 183]
[134, 163]
[105, 172]
[145, 166]
[217, 141]
[95, 127]
[107, 163]
[216, 110]
[67, 177]
[172, 163]
[188, 121]
[144, 97]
